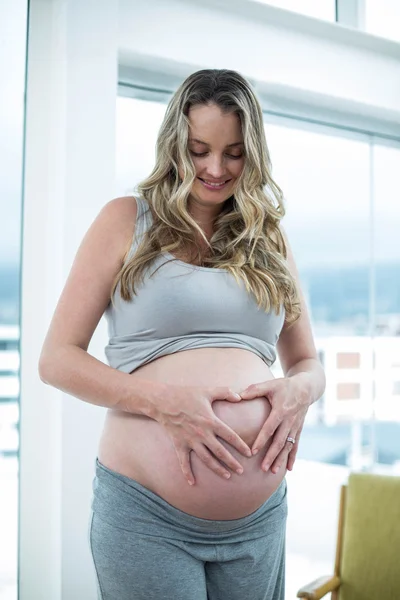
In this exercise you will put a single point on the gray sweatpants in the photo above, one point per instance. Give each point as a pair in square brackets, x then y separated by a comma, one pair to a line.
[145, 549]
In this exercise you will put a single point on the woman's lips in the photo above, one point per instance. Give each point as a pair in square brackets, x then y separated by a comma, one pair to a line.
[214, 187]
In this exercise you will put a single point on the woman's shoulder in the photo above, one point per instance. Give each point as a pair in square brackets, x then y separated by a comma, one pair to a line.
[125, 211]
[118, 218]
[127, 206]
[123, 206]
[128, 217]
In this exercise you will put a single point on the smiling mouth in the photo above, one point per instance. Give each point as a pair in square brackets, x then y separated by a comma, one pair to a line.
[213, 184]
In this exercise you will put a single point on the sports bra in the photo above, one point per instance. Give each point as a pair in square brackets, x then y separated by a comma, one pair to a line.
[182, 307]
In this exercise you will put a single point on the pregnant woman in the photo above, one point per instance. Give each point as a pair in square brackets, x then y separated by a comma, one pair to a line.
[200, 291]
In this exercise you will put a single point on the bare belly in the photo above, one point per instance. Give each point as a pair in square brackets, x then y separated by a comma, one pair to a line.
[141, 448]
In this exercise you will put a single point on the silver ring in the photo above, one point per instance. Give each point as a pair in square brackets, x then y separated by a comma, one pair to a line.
[291, 440]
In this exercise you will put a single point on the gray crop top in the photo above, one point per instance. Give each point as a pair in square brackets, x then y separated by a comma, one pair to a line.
[182, 307]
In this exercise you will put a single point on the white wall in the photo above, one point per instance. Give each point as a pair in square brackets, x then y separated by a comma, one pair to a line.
[73, 47]
[296, 57]
[69, 175]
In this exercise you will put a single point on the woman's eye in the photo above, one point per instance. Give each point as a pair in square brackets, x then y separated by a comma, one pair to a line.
[200, 154]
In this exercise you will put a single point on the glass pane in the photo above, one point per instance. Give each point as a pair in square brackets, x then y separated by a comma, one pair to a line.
[382, 17]
[13, 18]
[138, 122]
[325, 180]
[387, 307]
[320, 9]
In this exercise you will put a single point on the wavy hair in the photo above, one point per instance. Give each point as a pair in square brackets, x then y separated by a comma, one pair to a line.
[247, 240]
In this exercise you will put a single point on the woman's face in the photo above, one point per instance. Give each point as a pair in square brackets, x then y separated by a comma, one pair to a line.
[217, 150]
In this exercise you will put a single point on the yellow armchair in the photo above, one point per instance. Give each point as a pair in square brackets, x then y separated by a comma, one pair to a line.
[367, 564]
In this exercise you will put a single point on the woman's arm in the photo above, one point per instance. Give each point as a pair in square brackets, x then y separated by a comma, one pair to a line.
[78, 373]
[296, 348]
[64, 361]
[300, 363]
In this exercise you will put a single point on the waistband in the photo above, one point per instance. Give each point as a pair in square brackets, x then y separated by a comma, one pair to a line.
[124, 502]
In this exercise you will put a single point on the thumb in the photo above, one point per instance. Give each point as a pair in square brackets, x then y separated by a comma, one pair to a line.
[258, 389]
[225, 393]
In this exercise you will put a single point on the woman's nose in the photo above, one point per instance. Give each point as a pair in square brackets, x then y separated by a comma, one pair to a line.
[215, 167]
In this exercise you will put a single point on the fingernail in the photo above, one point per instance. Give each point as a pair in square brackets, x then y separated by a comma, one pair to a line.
[275, 470]
[254, 451]
[237, 396]
[266, 467]
[190, 482]
[227, 475]
[239, 471]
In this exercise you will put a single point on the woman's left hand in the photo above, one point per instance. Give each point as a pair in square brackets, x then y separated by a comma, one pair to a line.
[290, 402]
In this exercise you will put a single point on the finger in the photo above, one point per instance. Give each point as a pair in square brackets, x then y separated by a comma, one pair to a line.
[225, 456]
[276, 447]
[230, 436]
[282, 459]
[233, 396]
[267, 431]
[293, 452]
[210, 461]
[292, 457]
[223, 393]
[257, 389]
[184, 461]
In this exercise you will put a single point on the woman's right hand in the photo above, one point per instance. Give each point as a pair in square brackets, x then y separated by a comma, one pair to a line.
[187, 415]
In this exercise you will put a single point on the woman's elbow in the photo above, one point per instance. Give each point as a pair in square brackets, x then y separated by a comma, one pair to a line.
[45, 367]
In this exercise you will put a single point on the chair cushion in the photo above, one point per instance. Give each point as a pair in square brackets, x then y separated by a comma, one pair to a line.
[370, 563]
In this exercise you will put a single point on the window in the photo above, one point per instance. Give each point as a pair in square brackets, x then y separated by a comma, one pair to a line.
[325, 179]
[136, 150]
[382, 18]
[13, 20]
[320, 9]
[386, 295]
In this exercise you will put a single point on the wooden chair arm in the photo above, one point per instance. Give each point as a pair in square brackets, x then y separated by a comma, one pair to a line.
[319, 588]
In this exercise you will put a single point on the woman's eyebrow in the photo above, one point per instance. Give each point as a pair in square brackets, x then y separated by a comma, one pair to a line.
[205, 143]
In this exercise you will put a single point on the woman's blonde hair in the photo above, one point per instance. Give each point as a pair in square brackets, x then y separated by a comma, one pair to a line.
[247, 240]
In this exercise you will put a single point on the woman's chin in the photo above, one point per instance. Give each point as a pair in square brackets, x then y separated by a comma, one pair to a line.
[209, 197]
